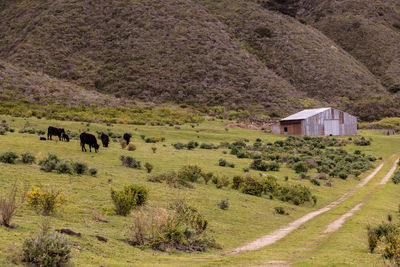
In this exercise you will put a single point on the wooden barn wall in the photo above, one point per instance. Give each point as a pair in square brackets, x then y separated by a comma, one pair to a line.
[314, 126]
[293, 127]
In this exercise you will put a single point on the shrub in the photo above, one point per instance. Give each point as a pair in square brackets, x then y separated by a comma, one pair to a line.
[131, 147]
[154, 149]
[45, 201]
[123, 144]
[8, 206]
[237, 182]
[172, 179]
[128, 198]
[315, 182]
[396, 177]
[93, 171]
[246, 169]
[222, 162]
[130, 162]
[342, 175]
[362, 141]
[207, 146]
[192, 145]
[222, 182]
[80, 167]
[207, 177]
[190, 173]
[148, 167]
[184, 228]
[252, 187]
[178, 146]
[48, 164]
[28, 158]
[8, 157]
[300, 167]
[280, 210]
[46, 250]
[64, 166]
[150, 140]
[260, 165]
[224, 204]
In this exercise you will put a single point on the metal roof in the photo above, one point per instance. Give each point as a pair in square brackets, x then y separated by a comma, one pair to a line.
[304, 114]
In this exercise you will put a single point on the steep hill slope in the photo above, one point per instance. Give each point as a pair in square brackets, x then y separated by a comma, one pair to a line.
[300, 54]
[369, 30]
[269, 56]
[169, 50]
[19, 84]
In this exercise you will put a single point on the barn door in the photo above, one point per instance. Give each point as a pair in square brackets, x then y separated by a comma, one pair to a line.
[331, 127]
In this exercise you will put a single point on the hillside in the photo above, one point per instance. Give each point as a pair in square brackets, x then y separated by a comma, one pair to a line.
[272, 57]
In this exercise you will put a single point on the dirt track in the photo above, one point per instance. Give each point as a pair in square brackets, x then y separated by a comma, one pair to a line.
[282, 232]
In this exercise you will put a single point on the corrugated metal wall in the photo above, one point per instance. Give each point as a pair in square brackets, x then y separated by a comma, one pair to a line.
[314, 126]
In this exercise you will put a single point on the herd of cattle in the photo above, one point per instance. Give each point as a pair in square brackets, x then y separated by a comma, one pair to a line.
[86, 138]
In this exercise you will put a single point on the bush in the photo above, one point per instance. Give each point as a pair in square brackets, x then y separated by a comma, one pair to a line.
[280, 210]
[190, 173]
[48, 164]
[8, 206]
[46, 250]
[93, 171]
[396, 177]
[28, 158]
[246, 169]
[252, 187]
[150, 140]
[207, 177]
[260, 165]
[8, 157]
[45, 201]
[80, 167]
[130, 162]
[237, 182]
[315, 182]
[126, 199]
[342, 175]
[224, 204]
[131, 147]
[184, 228]
[64, 166]
[300, 167]
[222, 162]
[222, 182]
[154, 149]
[207, 146]
[148, 167]
[123, 144]
[192, 145]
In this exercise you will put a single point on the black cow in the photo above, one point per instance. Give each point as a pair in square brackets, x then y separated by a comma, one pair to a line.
[105, 139]
[65, 137]
[127, 138]
[54, 131]
[43, 139]
[89, 139]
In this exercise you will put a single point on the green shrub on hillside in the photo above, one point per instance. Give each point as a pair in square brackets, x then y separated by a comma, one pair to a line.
[130, 162]
[28, 158]
[8, 157]
[128, 198]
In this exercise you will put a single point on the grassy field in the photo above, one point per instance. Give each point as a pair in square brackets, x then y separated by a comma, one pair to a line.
[247, 218]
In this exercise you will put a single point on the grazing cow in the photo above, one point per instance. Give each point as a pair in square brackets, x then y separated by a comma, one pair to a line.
[54, 131]
[89, 139]
[127, 138]
[65, 137]
[105, 139]
[43, 139]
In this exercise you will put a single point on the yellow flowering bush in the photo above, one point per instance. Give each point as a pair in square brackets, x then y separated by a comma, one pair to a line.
[45, 201]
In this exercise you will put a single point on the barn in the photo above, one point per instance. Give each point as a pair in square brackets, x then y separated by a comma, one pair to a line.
[317, 122]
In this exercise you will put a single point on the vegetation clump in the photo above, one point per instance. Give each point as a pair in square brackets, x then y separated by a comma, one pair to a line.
[46, 249]
[45, 201]
[28, 158]
[181, 228]
[128, 198]
[9, 157]
[130, 162]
